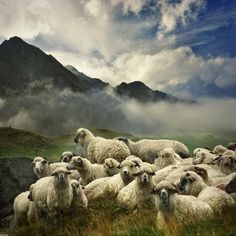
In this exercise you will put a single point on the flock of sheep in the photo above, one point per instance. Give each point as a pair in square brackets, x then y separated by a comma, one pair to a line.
[147, 173]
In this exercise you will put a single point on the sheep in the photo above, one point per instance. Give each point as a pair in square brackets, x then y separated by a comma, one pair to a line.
[193, 184]
[180, 208]
[147, 149]
[219, 150]
[196, 150]
[21, 206]
[52, 195]
[228, 153]
[66, 156]
[111, 166]
[227, 164]
[137, 193]
[88, 171]
[98, 149]
[42, 168]
[112, 185]
[232, 146]
[167, 157]
[203, 157]
[79, 199]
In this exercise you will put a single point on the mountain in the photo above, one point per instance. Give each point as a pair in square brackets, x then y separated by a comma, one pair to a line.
[25, 69]
[141, 92]
[25, 66]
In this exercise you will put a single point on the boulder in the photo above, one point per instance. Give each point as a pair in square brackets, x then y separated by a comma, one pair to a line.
[16, 176]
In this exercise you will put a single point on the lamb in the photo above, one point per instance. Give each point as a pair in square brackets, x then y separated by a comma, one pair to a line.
[180, 208]
[167, 157]
[111, 166]
[204, 157]
[137, 193]
[79, 199]
[110, 186]
[88, 171]
[219, 149]
[98, 149]
[52, 195]
[66, 156]
[23, 209]
[43, 168]
[196, 150]
[192, 184]
[148, 149]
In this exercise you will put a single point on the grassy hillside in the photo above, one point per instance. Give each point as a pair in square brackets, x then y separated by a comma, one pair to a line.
[15, 142]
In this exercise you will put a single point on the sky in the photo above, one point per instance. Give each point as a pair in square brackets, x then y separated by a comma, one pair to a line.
[183, 47]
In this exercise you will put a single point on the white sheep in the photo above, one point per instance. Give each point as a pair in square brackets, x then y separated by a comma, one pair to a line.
[98, 149]
[167, 157]
[204, 157]
[111, 166]
[174, 208]
[52, 195]
[43, 168]
[21, 206]
[147, 149]
[88, 171]
[137, 193]
[66, 156]
[219, 149]
[199, 149]
[193, 184]
[79, 199]
[110, 186]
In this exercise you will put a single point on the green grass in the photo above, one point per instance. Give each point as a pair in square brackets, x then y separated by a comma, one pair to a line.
[15, 142]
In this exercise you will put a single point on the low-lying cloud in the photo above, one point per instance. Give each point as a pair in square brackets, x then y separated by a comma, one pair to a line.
[62, 112]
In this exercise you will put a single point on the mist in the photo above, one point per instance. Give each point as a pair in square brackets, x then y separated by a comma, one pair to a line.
[55, 112]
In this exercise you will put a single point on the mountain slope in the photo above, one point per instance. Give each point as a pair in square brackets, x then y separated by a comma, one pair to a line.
[23, 66]
[25, 69]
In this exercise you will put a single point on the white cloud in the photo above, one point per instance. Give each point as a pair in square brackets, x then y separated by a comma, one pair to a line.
[182, 12]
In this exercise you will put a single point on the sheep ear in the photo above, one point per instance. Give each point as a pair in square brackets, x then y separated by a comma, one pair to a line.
[82, 187]
[54, 173]
[82, 133]
[118, 166]
[203, 155]
[32, 163]
[68, 172]
[136, 174]
[152, 173]
[176, 189]
[202, 172]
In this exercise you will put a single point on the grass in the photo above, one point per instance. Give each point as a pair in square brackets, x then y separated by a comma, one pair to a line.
[104, 216]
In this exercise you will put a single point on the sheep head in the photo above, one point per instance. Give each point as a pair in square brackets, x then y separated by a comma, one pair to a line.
[61, 175]
[163, 193]
[39, 164]
[111, 166]
[127, 169]
[228, 164]
[123, 139]
[76, 162]
[66, 156]
[144, 174]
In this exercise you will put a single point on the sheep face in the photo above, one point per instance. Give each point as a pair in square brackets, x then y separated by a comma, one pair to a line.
[228, 164]
[66, 156]
[165, 157]
[144, 177]
[127, 169]
[61, 176]
[76, 187]
[111, 166]
[187, 182]
[39, 164]
[123, 139]
[79, 138]
[164, 191]
[76, 162]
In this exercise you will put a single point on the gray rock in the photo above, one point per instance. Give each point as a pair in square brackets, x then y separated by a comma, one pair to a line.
[16, 176]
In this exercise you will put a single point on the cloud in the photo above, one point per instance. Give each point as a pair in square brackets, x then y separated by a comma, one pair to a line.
[65, 111]
[165, 70]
